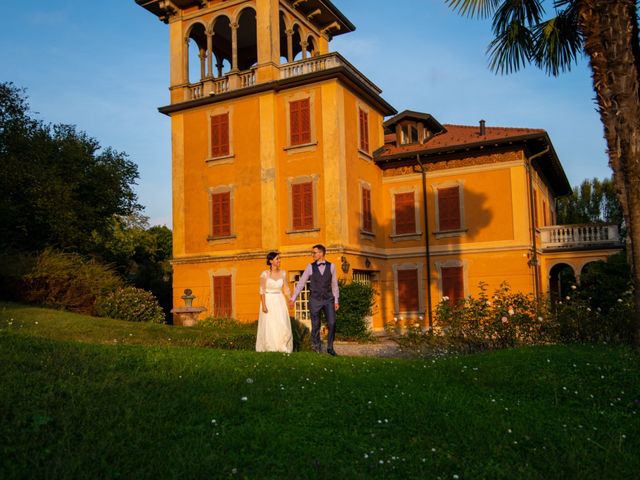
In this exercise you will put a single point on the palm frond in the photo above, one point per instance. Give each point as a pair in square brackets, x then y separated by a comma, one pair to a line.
[511, 49]
[524, 12]
[557, 43]
[474, 8]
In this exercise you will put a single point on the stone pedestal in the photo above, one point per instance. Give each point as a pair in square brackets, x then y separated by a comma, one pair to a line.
[188, 314]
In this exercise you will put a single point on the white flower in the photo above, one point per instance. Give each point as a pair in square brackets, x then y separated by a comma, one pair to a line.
[250, 380]
[244, 399]
[505, 320]
[573, 287]
[540, 319]
[511, 311]
[619, 301]
[568, 297]
[445, 299]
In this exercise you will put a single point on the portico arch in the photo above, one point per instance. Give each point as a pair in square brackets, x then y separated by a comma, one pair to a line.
[561, 277]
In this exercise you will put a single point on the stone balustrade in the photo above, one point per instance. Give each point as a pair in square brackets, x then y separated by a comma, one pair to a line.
[577, 236]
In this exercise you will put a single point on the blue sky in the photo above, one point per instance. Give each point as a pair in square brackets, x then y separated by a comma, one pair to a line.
[103, 66]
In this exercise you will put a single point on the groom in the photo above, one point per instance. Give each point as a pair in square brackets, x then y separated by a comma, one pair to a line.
[323, 296]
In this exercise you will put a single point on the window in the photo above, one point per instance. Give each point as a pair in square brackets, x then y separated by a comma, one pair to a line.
[221, 214]
[452, 283]
[405, 213]
[301, 305]
[408, 300]
[367, 219]
[408, 133]
[300, 122]
[220, 135]
[364, 130]
[449, 208]
[302, 206]
[222, 296]
[363, 276]
[545, 217]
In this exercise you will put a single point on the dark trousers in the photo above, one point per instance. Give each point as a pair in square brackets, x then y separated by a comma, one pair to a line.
[330, 314]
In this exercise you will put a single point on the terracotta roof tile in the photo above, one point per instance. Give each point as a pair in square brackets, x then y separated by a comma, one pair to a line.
[458, 135]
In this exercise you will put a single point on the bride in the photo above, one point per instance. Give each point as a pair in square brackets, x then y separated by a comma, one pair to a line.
[274, 326]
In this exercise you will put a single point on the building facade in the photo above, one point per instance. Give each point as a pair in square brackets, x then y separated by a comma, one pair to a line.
[279, 144]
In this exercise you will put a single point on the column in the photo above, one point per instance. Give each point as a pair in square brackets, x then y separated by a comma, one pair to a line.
[203, 56]
[234, 46]
[304, 46]
[289, 33]
[210, 54]
[185, 62]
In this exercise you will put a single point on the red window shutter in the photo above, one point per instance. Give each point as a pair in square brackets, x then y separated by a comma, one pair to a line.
[222, 296]
[367, 221]
[544, 213]
[535, 207]
[449, 208]
[405, 213]
[300, 122]
[221, 214]
[408, 290]
[452, 284]
[364, 130]
[220, 135]
[302, 204]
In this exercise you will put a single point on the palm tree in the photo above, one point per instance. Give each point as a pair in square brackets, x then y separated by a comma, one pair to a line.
[607, 32]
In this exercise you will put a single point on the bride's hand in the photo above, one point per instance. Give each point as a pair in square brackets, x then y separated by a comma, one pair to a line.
[265, 309]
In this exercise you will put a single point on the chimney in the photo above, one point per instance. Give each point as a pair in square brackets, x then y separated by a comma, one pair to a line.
[482, 129]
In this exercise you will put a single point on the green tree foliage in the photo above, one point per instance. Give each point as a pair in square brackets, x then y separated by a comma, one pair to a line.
[141, 254]
[58, 185]
[593, 201]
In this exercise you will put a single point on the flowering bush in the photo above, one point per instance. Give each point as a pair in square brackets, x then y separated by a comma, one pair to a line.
[506, 319]
[581, 321]
[131, 304]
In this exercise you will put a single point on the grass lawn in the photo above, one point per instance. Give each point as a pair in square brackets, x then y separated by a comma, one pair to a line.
[83, 397]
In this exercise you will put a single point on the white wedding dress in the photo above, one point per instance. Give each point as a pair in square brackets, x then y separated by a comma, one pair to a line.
[274, 327]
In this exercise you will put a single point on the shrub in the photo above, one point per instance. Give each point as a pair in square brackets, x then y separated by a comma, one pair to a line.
[356, 303]
[131, 304]
[69, 281]
[581, 321]
[506, 319]
[219, 323]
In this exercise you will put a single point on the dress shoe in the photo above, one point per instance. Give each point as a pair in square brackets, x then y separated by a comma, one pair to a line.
[332, 352]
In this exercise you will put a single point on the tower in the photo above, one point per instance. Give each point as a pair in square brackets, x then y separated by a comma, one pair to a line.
[272, 141]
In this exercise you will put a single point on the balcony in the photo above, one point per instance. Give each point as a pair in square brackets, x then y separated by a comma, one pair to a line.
[239, 80]
[579, 237]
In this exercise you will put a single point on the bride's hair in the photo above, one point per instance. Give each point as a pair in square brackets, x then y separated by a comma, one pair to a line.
[271, 256]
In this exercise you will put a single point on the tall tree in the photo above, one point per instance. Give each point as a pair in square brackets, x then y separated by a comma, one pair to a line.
[593, 201]
[58, 186]
[607, 32]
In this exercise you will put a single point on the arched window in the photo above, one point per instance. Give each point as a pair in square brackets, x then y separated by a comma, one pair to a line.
[196, 53]
[221, 45]
[247, 39]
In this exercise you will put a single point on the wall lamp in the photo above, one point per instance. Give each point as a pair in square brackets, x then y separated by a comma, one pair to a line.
[345, 264]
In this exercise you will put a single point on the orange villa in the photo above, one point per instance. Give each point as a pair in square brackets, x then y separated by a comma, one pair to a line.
[278, 143]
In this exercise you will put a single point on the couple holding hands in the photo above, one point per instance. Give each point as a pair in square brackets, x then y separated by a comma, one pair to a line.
[274, 327]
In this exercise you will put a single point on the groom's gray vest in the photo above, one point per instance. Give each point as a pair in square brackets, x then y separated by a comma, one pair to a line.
[321, 284]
